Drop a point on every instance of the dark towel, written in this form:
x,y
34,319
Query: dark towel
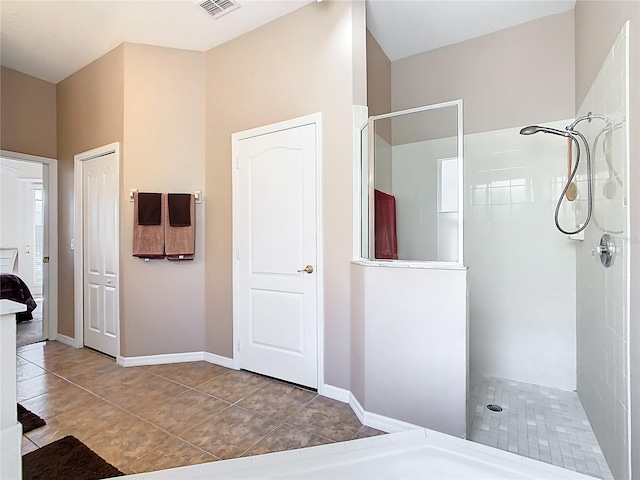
x,y
180,242
385,226
180,209
148,240
149,208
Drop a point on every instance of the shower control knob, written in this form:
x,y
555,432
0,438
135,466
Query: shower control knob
x,y
605,250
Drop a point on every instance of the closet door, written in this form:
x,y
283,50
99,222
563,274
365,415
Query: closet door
x,y
100,262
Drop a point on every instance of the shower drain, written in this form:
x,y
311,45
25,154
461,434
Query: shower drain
x,y
494,408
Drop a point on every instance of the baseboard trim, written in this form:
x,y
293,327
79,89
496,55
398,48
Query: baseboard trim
x,y
66,340
335,393
357,408
218,360
373,420
175,358
160,359
379,422
387,424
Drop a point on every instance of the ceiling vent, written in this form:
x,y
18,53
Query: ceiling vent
x,y
218,8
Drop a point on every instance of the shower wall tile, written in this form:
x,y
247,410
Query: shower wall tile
x,y
521,269
602,299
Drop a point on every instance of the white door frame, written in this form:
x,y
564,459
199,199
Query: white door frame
x,y
78,253
50,185
316,120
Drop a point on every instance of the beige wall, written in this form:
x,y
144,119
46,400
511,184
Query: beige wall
x,y
378,78
27,114
162,302
378,85
151,99
593,44
517,76
359,52
299,64
598,23
89,115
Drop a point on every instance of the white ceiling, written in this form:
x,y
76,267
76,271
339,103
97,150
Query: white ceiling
x,y
406,27
52,39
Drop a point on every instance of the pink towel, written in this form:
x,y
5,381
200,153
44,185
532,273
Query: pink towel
x,y
180,241
148,240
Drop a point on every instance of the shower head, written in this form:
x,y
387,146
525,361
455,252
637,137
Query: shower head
x,y
531,129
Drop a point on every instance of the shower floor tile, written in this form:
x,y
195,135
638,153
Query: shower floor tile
x,y
542,423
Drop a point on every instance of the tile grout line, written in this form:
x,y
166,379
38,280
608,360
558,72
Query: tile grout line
x,y
169,441
113,404
263,438
188,388
174,436
544,429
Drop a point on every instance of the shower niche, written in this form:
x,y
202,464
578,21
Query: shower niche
x,y
409,282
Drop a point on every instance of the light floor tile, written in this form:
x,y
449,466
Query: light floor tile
x,y
231,432
28,446
149,418
287,438
126,442
194,408
277,400
174,453
192,374
233,386
327,418
542,423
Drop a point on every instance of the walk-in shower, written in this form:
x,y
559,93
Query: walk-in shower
x,y
549,331
459,265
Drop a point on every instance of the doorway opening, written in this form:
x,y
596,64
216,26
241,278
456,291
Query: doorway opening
x,y
28,242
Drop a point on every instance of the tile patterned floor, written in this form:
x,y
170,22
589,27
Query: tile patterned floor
x,y
537,422
149,418
31,330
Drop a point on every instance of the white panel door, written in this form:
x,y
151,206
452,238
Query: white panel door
x,y
276,226
100,221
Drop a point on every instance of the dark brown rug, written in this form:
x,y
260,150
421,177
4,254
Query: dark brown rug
x,y
66,459
29,420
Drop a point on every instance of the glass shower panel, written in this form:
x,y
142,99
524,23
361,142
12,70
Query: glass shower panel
x,y
416,182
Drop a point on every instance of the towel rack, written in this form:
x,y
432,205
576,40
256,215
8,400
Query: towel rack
x,y
197,195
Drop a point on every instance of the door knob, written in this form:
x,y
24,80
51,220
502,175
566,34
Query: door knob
x,y
308,269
